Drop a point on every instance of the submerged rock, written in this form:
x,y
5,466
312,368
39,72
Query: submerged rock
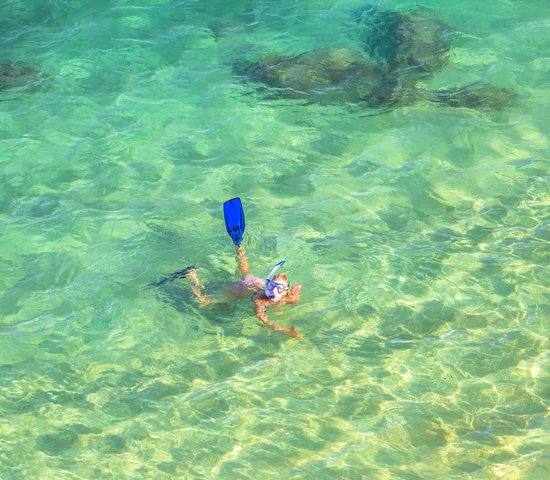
x,y
341,75
399,51
17,75
324,76
408,41
475,95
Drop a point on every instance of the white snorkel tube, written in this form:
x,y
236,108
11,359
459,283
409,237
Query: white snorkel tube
x,y
270,285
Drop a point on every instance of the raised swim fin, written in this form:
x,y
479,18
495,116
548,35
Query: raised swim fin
x,y
234,219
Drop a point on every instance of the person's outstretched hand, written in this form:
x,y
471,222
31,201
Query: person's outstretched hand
x,y
292,332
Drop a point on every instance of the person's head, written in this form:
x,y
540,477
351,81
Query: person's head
x,y
276,286
279,287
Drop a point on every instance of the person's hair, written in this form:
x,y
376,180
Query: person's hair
x,y
281,276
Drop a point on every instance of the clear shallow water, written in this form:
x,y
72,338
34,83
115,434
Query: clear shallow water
x,y
420,234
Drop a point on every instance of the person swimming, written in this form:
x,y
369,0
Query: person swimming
x,y
274,290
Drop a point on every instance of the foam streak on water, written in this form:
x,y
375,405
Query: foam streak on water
x,y
421,235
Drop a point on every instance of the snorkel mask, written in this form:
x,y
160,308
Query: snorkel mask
x,y
271,285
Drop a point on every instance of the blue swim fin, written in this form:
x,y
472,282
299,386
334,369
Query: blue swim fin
x,y
234,219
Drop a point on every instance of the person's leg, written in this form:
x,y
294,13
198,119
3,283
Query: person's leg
x,y
242,262
227,294
198,287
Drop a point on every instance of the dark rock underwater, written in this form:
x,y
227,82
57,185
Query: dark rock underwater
x,y
397,51
18,74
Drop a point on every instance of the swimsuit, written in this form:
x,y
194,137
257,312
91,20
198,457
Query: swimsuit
x,y
249,285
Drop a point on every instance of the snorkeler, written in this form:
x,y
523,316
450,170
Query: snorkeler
x,y
273,291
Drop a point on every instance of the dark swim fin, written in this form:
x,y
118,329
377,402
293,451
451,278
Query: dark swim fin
x,y
183,273
234,219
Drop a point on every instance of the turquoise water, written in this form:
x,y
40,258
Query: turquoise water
x,y
421,235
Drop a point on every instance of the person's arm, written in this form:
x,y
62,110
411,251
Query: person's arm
x,y
260,313
242,261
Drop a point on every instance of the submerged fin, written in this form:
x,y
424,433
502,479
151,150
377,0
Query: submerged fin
x,y
183,273
234,219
